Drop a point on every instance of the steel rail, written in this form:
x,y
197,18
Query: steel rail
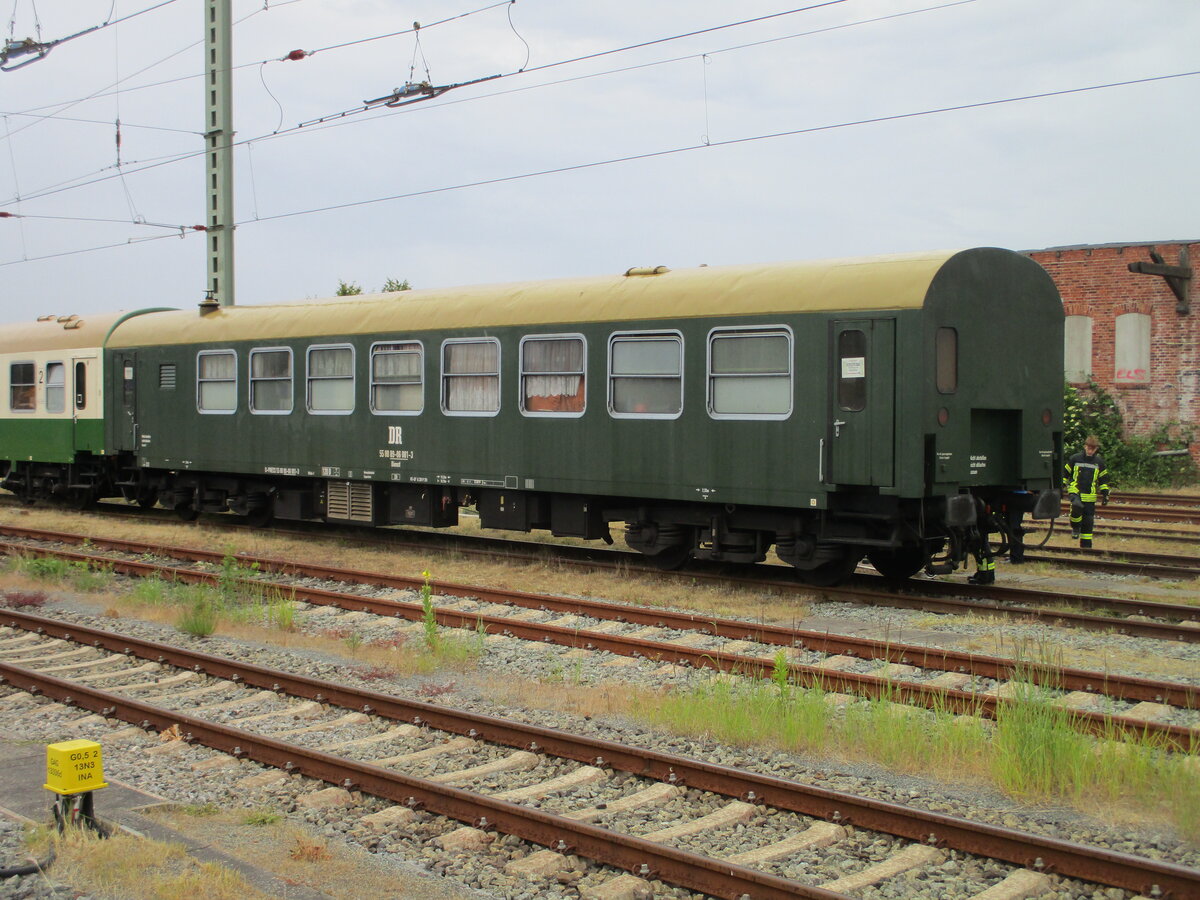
x,y
1166,560
1073,860
870,686
939,603
1121,497
634,854
1115,686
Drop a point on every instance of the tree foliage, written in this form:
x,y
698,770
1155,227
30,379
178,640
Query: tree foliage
x,y
1131,460
353,288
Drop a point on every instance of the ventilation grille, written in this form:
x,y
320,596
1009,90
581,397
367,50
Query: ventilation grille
x,y
350,501
166,377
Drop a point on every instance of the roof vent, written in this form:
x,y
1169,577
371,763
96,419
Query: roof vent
x,y
647,270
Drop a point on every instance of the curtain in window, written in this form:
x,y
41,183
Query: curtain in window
x,y
331,380
553,375
270,381
22,394
396,379
472,379
217,374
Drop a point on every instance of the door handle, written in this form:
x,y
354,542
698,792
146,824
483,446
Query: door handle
x,y
837,427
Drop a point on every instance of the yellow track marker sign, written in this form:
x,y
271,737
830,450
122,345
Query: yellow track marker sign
x,y
74,767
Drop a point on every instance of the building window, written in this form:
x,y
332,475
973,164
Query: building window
x,y
852,370
645,375
946,358
750,374
552,376
1133,349
56,387
271,381
1077,349
397,382
471,377
331,380
216,381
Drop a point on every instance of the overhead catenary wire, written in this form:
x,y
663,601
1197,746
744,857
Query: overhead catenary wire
x,y
658,154
14,48
62,186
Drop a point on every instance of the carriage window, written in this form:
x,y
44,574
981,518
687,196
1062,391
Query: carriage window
x,y
947,360
271,381
331,380
22,393
852,370
56,387
552,375
81,385
471,377
750,374
396,379
216,381
645,375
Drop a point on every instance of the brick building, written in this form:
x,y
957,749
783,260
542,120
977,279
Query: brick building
x,y
1136,334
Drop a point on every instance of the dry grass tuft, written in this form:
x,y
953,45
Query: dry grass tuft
x,y
123,867
306,848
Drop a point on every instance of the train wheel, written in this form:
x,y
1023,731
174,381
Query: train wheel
x,y
830,573
260,517
147,499
81,498
671,558
186,511
898,565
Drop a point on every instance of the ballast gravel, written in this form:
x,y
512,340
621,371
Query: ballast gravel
x,y
956,876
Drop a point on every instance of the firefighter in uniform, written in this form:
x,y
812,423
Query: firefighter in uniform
x,y
1085,476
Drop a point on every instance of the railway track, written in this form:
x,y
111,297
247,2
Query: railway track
x,y
835,663
1168,621
1173,567
187,692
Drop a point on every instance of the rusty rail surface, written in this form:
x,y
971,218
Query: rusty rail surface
x,y
1073,860
870,686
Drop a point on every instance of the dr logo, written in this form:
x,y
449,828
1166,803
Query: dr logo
x,y
395,434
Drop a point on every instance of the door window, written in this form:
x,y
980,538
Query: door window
x,y
56,387
852,370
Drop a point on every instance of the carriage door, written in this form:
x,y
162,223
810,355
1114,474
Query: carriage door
x,y
862,402
127,424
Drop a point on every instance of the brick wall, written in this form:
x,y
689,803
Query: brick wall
x,y
1095,281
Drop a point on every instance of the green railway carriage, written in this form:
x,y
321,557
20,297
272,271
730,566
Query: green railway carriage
x,y
830,409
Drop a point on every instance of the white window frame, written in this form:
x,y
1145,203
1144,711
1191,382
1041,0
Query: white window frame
x,y
443,393
1133,341
1077,348
613,339
291,379
582,373
371,383
750,331
309,378
62,386
199,381
32,410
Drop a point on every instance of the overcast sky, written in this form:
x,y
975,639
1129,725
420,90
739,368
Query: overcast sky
x,y
1112,165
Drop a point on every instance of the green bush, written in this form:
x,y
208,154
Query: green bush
x,y
1131,461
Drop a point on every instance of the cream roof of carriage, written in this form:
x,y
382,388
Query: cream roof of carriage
x,y
68,332
891,282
